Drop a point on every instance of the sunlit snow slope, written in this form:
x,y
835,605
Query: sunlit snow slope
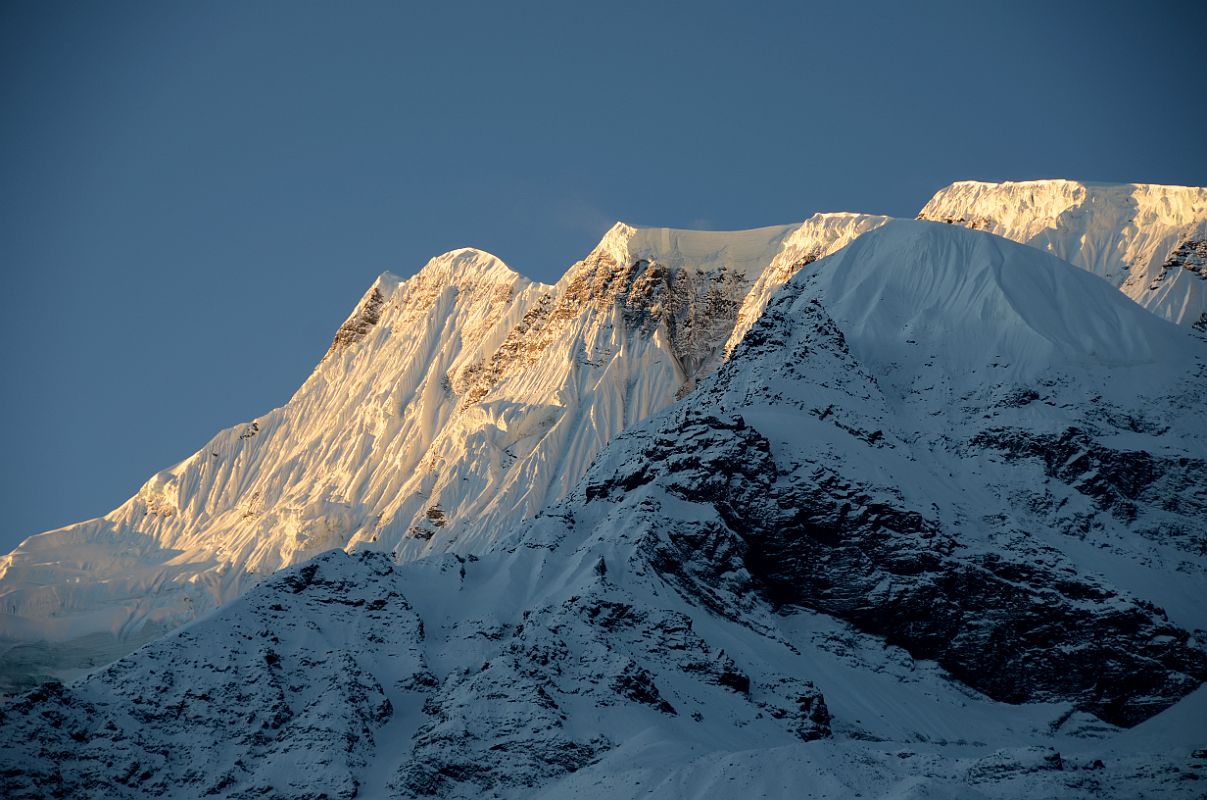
x,y
1149,240
450,406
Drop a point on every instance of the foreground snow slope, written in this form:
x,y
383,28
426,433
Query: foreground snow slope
x,y
911,540
1149,240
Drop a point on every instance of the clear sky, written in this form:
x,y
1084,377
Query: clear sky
x,y
193,195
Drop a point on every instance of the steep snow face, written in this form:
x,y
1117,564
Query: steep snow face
x,y
819,236
1148,240
981,300
621,335
449,406
924,560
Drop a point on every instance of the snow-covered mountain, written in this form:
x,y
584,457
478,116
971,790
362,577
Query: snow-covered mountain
x,y
464,399
1148,240
449,407
933,530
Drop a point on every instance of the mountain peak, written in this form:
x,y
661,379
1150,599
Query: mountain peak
x,y
1041,203
468,265
1072,183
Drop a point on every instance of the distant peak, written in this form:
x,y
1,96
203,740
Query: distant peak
x,y
463,268
469,262
1025,210
1037,182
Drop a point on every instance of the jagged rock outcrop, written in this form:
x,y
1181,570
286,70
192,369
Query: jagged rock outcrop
x,y
357,326
1190,254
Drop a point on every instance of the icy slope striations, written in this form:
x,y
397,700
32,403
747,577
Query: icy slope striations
x,y
1149,240
449,406
853,561
296,481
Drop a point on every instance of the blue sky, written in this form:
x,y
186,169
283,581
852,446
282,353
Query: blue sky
x,y
194,195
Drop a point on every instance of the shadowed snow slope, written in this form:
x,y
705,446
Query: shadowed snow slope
x,y
1149,240
933,530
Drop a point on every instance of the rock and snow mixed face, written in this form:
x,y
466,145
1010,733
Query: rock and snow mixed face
x,y
1148,240
848,562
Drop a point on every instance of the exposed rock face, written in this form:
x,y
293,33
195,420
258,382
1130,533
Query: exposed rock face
x,y
807,535
357,326
1189,255
694,307
1125,483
